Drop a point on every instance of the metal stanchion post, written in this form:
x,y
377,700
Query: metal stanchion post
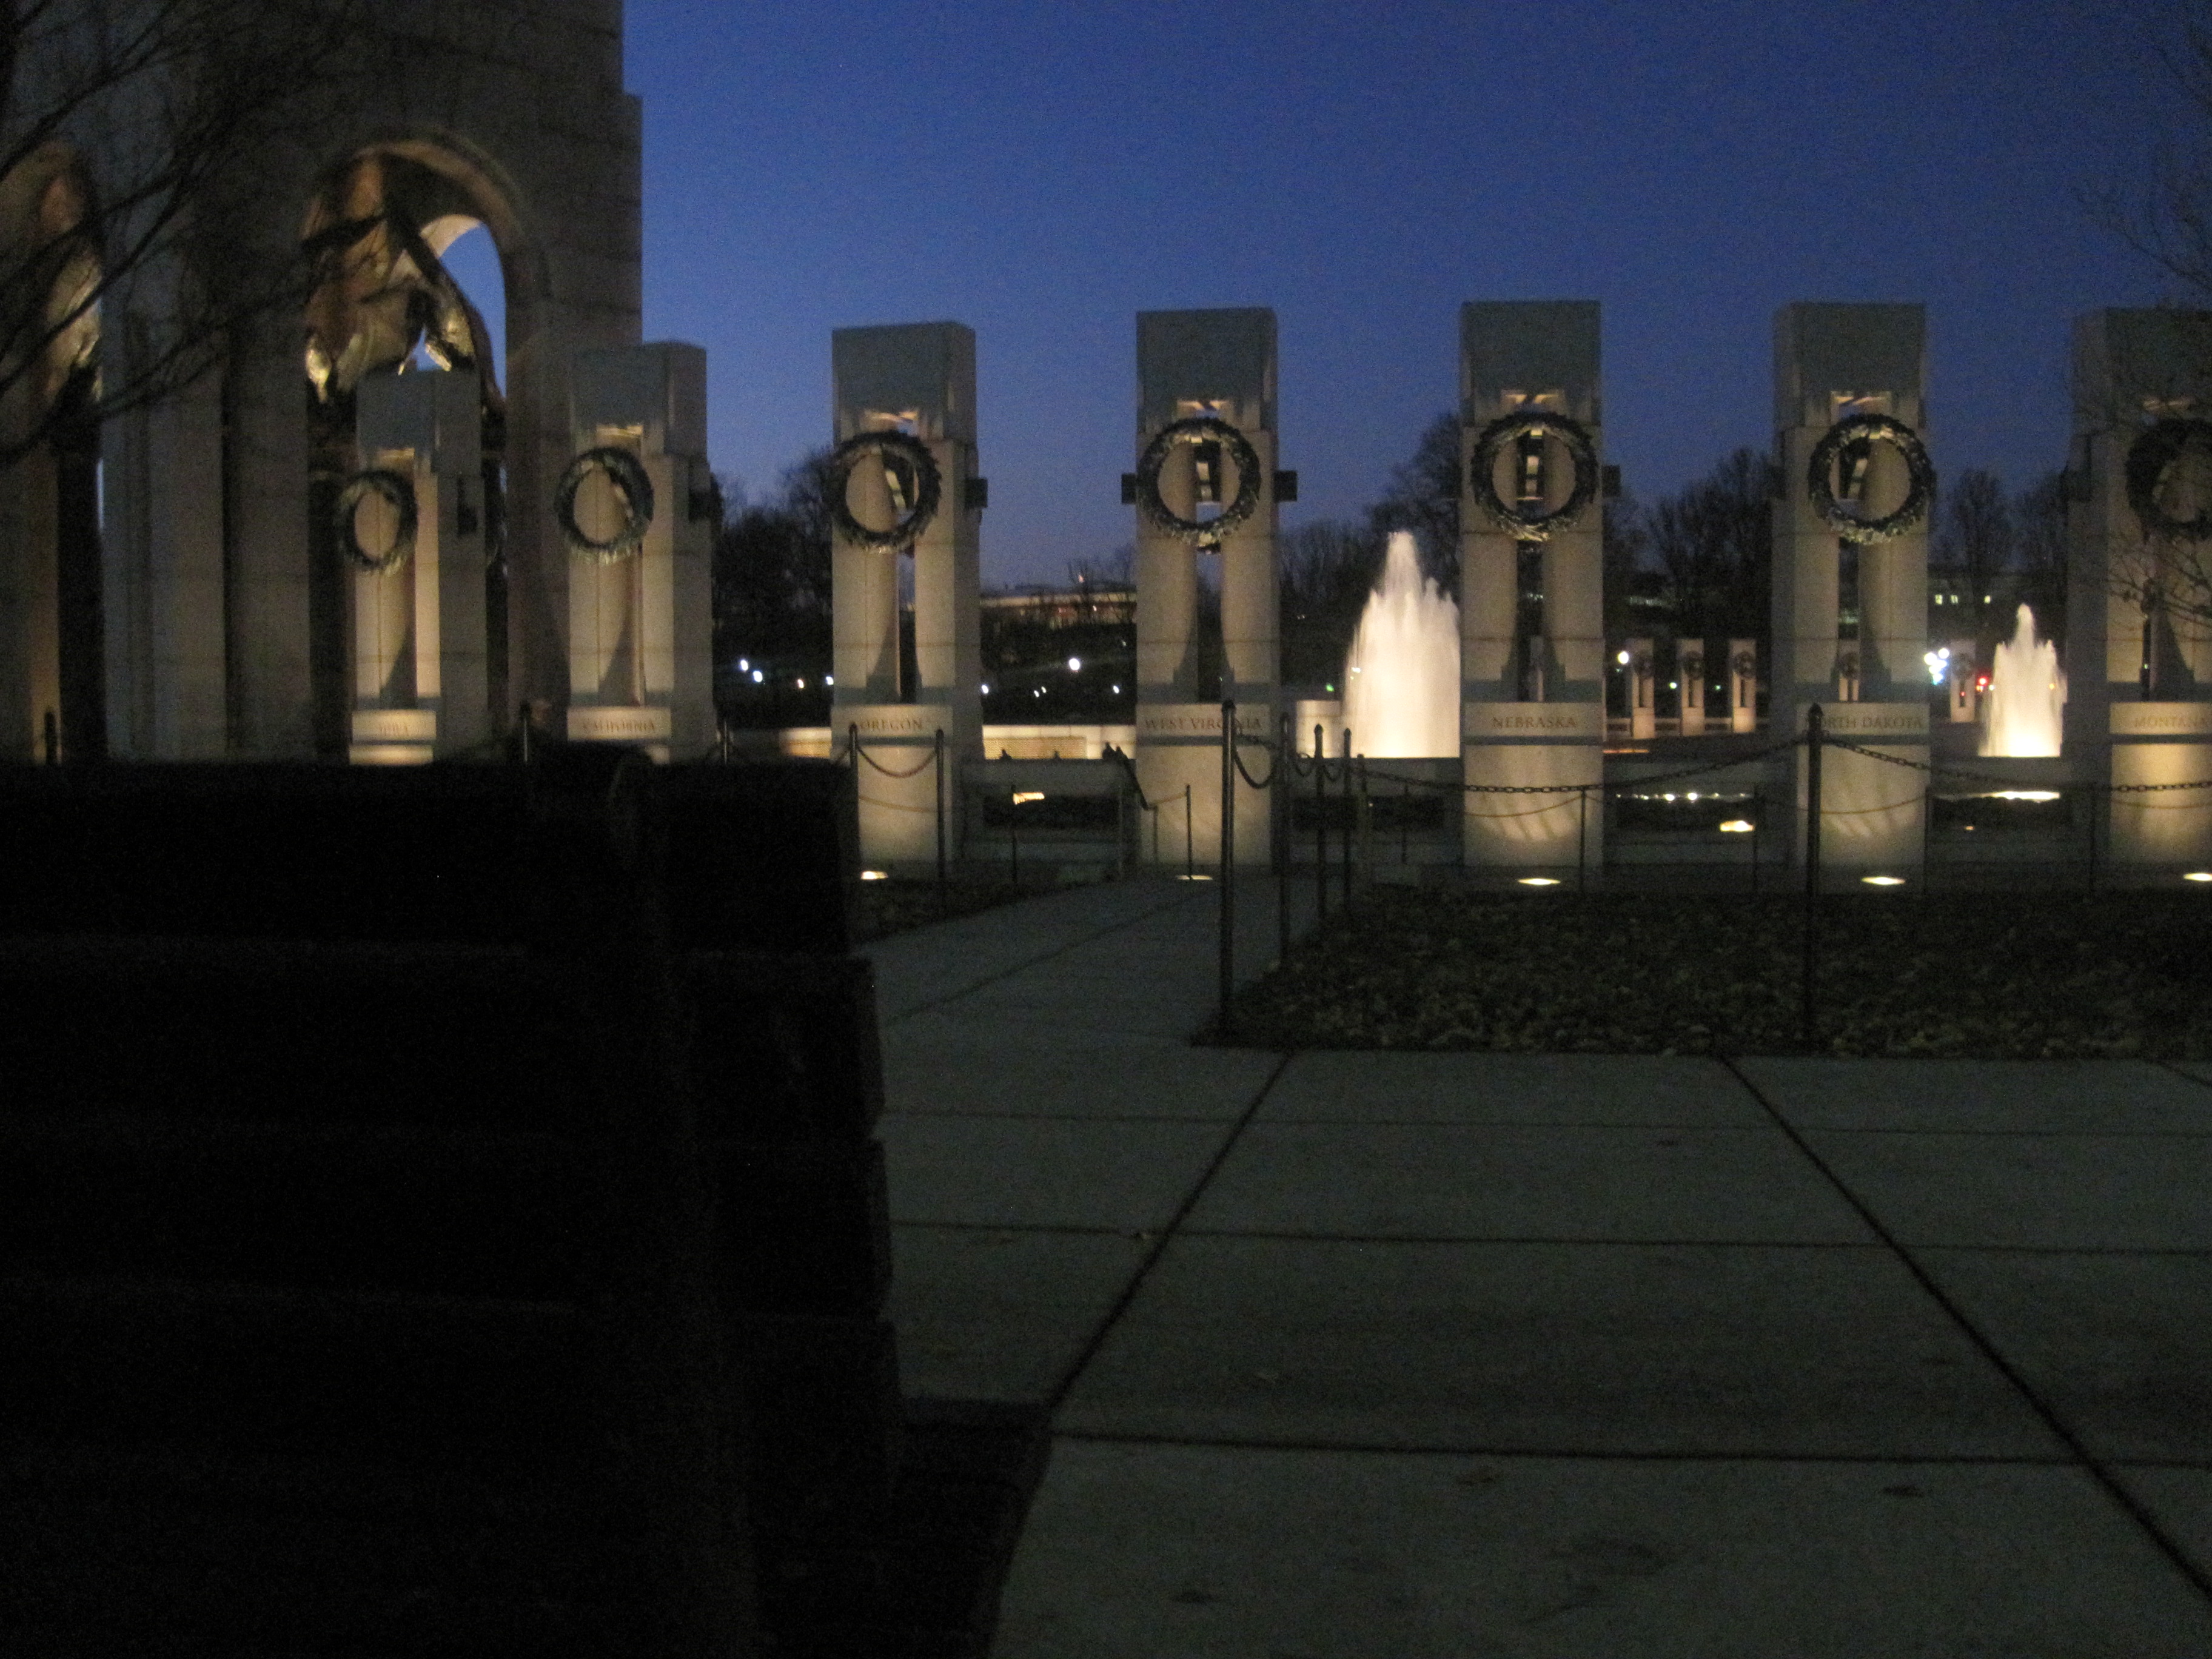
x,y
1582,840
938,758
1279,809
1321,826
1189,840
2093,793
1226,880
522,716
1368,828
1809,1026
1347,836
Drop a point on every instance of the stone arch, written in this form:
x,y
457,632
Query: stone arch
x,y
224,609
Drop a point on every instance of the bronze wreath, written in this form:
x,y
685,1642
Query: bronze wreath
x,y
1482,473
929,488
392,487
2162,444
1199,429
628,475
1920,489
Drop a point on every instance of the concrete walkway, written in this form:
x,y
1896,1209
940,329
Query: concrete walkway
x,y
1360,1356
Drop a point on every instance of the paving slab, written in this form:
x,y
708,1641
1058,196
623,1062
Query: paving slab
x,y
1113,1174
1205,1553
1000,1314
1731,1350
1517,1180
937,1064
2118,1345
2181,1501
1655,1089
2061,1097
2034,1191
927,965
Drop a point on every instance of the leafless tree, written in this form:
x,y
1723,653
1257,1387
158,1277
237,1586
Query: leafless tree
x,y
1974,542
127,135
1713,545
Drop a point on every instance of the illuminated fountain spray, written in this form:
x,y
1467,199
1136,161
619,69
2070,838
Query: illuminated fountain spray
x,y
2022,709
1401,682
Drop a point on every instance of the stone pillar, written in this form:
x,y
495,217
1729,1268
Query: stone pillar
x,y
1690,680
640,618
2139,692
1743,685
1531,487
905,404
1850,420
1642,688
416,631
1217,367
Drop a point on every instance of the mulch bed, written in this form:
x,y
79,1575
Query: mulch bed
x,y
2034,976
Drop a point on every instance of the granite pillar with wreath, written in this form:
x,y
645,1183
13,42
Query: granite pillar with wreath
x,y
636,507
1206,490
2139,521
1532,614
903,486
1851,574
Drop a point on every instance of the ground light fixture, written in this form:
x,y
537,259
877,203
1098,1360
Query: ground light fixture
x,y
2198,875
1539,881
1738,827
1883,881
875,875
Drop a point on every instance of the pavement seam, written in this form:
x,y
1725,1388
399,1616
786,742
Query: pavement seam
x,y
2170,1066
1369,1448
1068,1378
2114,1486
1030,962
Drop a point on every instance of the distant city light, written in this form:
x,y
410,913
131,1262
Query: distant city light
x,y
1622,660
1883,881
758,676
1738,827
742,664
802,682
1075,665
1117,690
1538,881
875,875
986,690
2198,875
829,679
1023,797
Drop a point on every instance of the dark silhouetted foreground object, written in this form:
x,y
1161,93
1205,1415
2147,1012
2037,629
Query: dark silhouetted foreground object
x,y
442,1214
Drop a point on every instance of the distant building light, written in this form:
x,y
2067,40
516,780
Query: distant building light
x,y
829,679
1738,827
1883,881
742,664
1023,797
758,676
1538,881
1622,660
875,875
2198,875
802,682
1075,665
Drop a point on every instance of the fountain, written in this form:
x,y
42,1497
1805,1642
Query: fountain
x,y
2022,709
1401,678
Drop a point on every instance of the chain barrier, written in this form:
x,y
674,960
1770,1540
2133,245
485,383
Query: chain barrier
x,y
1936,770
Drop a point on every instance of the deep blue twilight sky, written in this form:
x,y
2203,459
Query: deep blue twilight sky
x,y
1040,172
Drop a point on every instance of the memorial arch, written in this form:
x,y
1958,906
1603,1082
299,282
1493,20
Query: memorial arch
x,y
228,594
